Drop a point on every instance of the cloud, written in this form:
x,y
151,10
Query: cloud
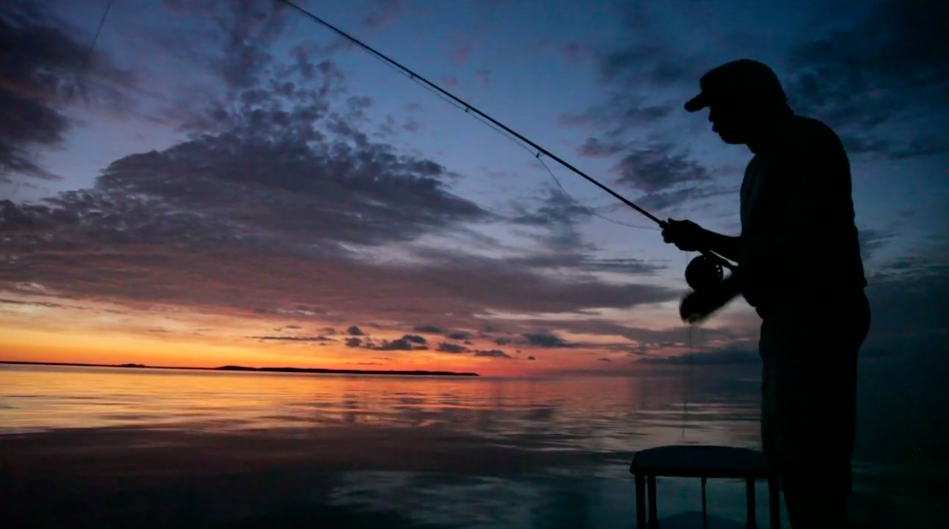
x,y
41,71
458,335
233,36
450,348
355,331
353,342
383,13
714,358
878,149
278,157
909,305
655,169
559,214
555,208
531,358
277,195
546,340
132,248
286,155
586,263
645,338
415,338
648,57
395,345
644,77
427,328
446,347
412,125
45,304
320,338
887,67
872,240
604,359
667,199
659,167
493,353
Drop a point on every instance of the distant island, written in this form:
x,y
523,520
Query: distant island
x,y
344,371
319,371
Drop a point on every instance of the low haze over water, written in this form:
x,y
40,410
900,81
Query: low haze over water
x,y
224,449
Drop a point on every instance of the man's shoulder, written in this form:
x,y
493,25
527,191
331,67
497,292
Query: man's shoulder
x,y
809,133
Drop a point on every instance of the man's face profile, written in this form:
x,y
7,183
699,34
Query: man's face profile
x,y
729,121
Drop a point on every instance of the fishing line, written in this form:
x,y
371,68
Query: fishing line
x,y
83,66
95,37
688,375
92,46
591,211
686,386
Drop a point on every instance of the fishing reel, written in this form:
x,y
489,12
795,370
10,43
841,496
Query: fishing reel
x,y
705,271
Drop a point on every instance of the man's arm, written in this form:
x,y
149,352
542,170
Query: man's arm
x,y
724,245
691,237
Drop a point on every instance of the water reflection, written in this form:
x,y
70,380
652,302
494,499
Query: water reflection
x,y
588,414
241,450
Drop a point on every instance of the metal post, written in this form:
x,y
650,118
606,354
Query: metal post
x,y
653,516
640,502
774,502
704,506
750,501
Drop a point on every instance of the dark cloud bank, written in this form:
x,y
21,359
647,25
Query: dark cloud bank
x,y
276,183
41,70
880,82
260,207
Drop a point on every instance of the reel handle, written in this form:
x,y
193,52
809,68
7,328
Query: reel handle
x,y
706,271
719,259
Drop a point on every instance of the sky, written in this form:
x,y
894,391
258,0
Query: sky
x,y
228,182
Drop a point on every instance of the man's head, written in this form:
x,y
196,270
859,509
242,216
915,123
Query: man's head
x,y
741,96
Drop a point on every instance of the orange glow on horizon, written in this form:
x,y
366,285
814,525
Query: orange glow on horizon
x,y
45,328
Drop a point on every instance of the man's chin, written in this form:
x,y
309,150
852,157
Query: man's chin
x,y
729,139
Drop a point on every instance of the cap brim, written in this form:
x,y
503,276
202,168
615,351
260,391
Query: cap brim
x,y
697,103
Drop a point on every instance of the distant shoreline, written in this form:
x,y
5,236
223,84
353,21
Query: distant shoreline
x,y
305,370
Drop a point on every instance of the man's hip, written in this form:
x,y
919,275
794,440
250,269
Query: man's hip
x,y
809,385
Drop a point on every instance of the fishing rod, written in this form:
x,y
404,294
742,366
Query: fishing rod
x,y
702,272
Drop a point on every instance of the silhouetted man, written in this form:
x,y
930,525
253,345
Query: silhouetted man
x,y
799,265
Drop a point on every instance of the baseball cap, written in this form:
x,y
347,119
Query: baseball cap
x,y
743,80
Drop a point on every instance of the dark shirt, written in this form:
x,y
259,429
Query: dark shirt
x,y
799,240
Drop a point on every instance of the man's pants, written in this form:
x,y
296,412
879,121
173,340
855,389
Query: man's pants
x,y
809,390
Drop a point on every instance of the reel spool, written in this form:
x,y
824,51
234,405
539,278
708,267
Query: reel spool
x,y
704,272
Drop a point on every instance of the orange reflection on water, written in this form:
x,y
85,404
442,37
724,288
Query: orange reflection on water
x,y
593,413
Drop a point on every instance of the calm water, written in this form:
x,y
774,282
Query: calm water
x,y
190,447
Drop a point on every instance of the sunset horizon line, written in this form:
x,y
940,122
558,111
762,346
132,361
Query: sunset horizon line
x,y
234,367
